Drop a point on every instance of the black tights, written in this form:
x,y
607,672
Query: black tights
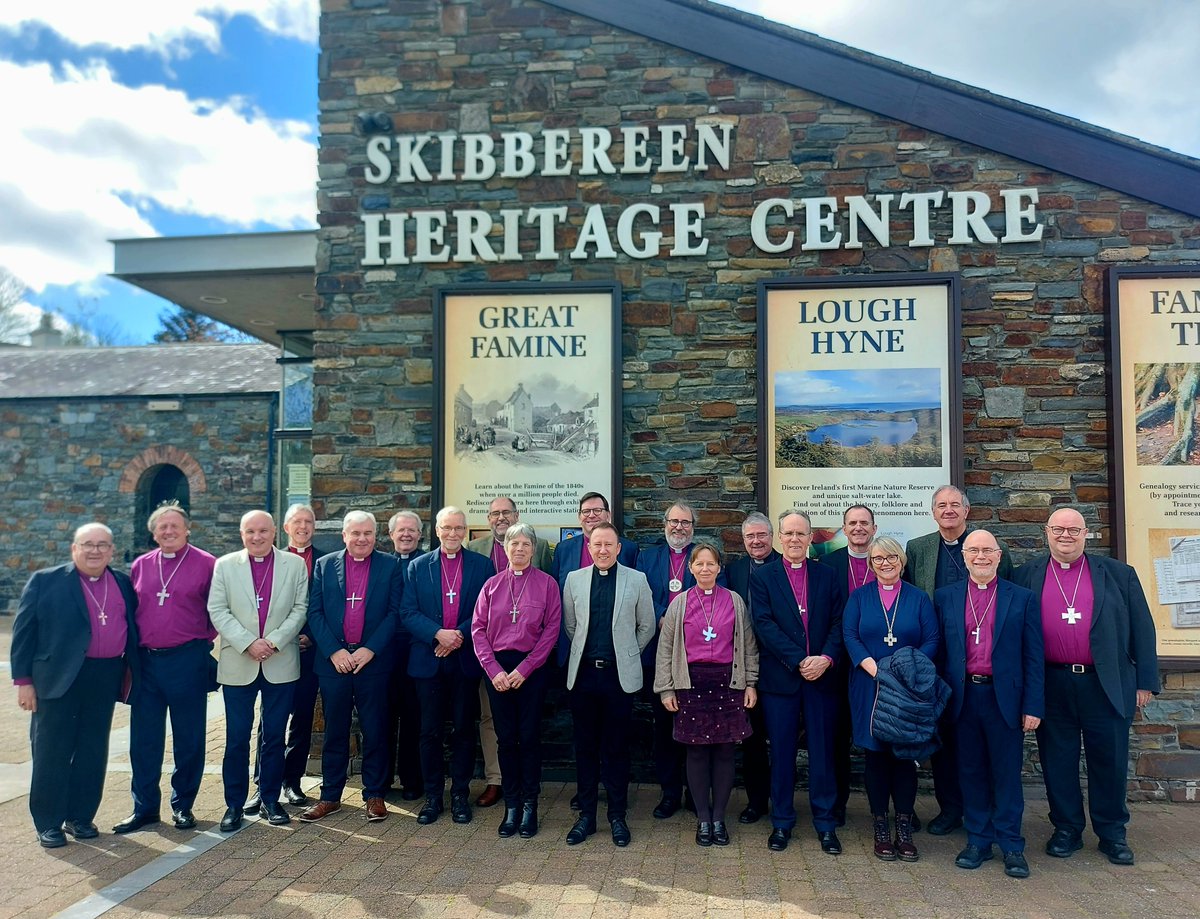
x,y
887,777
710,766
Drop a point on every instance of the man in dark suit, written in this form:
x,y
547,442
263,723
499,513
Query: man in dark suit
x,y
404,711
992,658
440,590
1101,667
352,613
935,561
72,640
757,537
797,611
571,554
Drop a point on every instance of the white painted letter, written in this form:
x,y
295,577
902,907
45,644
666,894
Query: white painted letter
x,y
969,220
472,230
1015,215
653,238
595,232
478,163
921,203
544,218
689,229
556,159
636,161
758,224
376,236
377,154
672,138
819,214
431,228
596,142
860,212
707,142
518,155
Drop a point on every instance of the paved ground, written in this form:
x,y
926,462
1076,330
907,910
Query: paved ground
x,y
346,868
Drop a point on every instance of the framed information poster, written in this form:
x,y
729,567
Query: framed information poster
x,y
1154,327
859,399
528,382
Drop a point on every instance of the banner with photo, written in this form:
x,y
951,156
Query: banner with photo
x,y
1155,341
859,399
528,399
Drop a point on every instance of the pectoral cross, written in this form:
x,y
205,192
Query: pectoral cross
x,y
708,633
890,639
1072,616
515,613
450,593
353,599
976,634
257,601
162,596
803,611
102,617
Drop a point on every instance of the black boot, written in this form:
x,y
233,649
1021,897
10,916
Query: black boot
x,y
508,826
905,849
529,821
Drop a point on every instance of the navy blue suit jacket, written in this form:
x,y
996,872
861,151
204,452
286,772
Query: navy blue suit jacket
x,y
737,574
52,630
568,553
1018,661
421,609
327,609
780,630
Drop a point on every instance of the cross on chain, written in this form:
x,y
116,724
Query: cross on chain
x,y
1072,615
102,617
352,599
258,601
708,633
515,613
976,634
890,639
450,593
162,595
803,611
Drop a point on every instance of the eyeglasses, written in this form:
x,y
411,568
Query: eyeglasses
x,y
679,524
95,546
984,550
794,534
1065,531
448,529
592,512
496,515
885,559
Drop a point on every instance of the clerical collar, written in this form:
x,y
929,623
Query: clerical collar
x,y
300,548
1067,566
796,565
259,559
359,560
405,554
707,593
678,551
169,554
603,572
450,554
887,586
758,561
950,542
983,586
854,554
517,572
96,578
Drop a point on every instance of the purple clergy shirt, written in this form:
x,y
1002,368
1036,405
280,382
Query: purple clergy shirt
x,y
106,613
888,595
172,593
859,572
797,576
307,554
499,556
534,629
699,606
676,566
1066,589
262,576
585,554
354,615
452,569
979,610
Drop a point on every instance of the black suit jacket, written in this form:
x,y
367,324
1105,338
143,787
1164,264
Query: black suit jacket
x,y
737,574
1122,637
327,609
52,630
421,609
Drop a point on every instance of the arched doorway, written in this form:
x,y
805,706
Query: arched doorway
x,y
163,482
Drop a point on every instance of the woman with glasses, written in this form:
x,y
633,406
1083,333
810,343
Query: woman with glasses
x,y
881,618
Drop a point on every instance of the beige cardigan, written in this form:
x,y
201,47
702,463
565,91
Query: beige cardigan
x,y
671,665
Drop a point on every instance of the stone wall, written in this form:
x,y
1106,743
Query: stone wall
x,y
65,462
1035,417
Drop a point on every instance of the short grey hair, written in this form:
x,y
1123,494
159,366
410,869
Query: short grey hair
x,y
755,517
416,518
799,513
449,511
167,507
888,546
295,509
94,525
966,502
518,530
683,505
353,517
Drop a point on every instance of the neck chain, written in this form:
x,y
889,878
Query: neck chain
x,y
162,595
100,604
258,588
447,583
709,633
959,567
979,620
516,597
890,639
1072,615
676,583
855,584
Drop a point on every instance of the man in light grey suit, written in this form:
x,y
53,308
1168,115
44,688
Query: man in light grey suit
x,y
258,603
608,615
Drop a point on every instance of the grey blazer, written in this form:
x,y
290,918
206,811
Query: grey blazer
x,y
633,621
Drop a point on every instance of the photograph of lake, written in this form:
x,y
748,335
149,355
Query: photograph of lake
x,y
839,419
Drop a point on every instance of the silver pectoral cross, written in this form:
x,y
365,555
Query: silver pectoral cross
x,y
1072,615
162,596
708,633
450,593
352,599
890,639
515,613
976,634
102,617
258,601
803,611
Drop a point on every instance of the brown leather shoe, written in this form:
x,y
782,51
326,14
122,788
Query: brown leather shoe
x,y
376,809
322,809
488,796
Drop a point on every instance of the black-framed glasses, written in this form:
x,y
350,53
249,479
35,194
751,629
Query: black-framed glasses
x,y
1065,531
882,559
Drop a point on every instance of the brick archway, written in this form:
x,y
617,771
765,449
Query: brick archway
x,y
158,456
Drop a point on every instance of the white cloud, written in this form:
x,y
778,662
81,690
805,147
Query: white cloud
x,y
84,156
167,27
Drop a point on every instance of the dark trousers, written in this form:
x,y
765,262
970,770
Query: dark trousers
x,y
404,725
756,762
989,757
341,693
449,692
298,739
782,714
889,780
172,682
69,740
1076,706
944,765
602,713
239,722
843,737
517,714
669,753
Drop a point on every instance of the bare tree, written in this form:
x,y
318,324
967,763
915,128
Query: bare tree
x,y
1167,392
13,325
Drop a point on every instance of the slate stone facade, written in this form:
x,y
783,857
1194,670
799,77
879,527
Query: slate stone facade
x,y
1035,412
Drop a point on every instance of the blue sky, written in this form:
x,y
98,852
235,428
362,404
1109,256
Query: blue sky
x,y
921,386
179,117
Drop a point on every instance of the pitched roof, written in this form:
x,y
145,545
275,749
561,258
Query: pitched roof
x,y
909,95
151,370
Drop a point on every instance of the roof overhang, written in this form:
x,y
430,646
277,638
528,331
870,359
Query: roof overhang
x,y
258,283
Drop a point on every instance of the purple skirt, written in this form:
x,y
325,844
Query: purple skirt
x,y
711,712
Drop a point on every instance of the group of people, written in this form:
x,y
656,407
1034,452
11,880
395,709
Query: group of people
x,y
935,649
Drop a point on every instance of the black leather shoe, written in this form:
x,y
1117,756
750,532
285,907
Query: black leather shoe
x,y
232,820
943,824
430,811
460,809
1015,865
830,844
750,814
972,856
135,822
253,804
778,839
720,833
1063,843
508,826
81,829
275,814
183,819
1118,852
667,807
704,834
52,838
529,820
583,828
295,797
620,832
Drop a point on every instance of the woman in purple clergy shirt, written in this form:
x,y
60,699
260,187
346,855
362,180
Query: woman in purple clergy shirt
x,y
881,618
706,673
514,629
